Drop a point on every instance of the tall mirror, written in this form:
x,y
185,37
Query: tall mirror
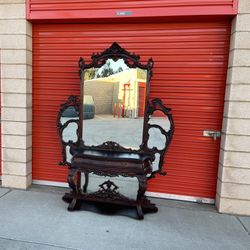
x,y
113,111
114,133
114,98
114,89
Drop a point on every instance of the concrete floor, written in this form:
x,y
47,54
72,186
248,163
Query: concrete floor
x,y
38,219
125,131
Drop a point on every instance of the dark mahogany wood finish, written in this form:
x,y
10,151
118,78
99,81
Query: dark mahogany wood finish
x,y
111,159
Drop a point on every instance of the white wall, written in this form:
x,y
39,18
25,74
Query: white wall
x,y
16,94
233,185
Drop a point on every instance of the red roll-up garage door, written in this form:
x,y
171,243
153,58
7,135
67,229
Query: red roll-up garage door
x,y
189,75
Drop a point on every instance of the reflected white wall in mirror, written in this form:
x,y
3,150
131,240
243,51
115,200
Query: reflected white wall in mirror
x,y
68,154
156,138
70,133
127,186
114,103
155,163
159,118
69,113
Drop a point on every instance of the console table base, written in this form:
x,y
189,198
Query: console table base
x,y
107,207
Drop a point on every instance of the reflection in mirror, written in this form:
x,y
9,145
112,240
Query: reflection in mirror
x,y
159,118
156,139
69,113
159,127
70,132
114,103
155,163
127,186
68,154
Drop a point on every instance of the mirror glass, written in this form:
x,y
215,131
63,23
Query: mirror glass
x,y
70,132
156,138
155,163
69,113
160,119
68,154
114,103
127,186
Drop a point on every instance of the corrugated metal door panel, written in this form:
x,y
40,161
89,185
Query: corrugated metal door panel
x,y
189,75
107,4
115,9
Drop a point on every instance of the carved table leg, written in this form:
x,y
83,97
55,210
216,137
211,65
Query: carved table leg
x,y
74,182
86,175
148,207
142,181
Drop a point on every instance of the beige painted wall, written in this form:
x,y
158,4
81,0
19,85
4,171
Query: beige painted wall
x,y
109,91
16,90
102,93
233,185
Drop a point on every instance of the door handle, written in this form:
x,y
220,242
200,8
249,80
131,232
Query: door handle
x,y
212,133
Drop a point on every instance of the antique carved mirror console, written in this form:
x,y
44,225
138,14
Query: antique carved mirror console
x,y
114,131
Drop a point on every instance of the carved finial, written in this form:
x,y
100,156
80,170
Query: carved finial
x,y
150,63
81,64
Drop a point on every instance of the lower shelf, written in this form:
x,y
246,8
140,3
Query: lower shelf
x,y
125,207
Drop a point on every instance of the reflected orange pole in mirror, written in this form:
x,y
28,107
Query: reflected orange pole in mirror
x,y
114,110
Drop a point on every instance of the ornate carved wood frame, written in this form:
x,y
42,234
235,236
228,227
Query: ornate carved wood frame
x,y
115,52
157,105
73,101
132,60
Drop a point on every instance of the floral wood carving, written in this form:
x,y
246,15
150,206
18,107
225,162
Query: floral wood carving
x,y
115,52
157,104
73,101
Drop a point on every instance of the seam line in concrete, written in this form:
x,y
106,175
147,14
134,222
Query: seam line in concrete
x,y
234,183
236,101
13,3
25,175
236,49
239,66
38,243
239,31
29,162
25,93
15,108
12,19
17,161
238,135
237,84
5,193
242,224
230,118
13,49
19,64
232,199
17,134
234,167
18,149
233,151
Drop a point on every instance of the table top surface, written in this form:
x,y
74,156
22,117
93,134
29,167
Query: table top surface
x,y
113,155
